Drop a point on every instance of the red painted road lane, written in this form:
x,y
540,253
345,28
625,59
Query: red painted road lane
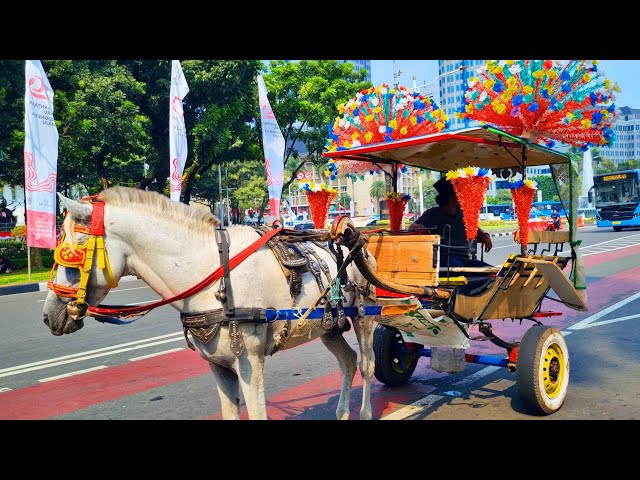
x,y
70,394
318,398
58,397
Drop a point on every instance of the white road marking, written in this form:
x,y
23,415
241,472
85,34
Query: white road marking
x,y
424,403
479,374
164,352
613,320
88,357
586,323
71,374
416,407
89,352
5,389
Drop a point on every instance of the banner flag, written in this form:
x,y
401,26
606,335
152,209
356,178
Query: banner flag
x,y
177,130
40,158
273,143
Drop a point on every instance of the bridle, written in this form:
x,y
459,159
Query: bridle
x,y
83,256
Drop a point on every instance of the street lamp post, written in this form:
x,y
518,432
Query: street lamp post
x,y
417,88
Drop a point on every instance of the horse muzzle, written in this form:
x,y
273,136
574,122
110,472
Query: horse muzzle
x,y
65,318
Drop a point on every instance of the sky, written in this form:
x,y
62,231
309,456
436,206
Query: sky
x,y
625,72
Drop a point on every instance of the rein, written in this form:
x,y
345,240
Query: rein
x,y
82,257
124,312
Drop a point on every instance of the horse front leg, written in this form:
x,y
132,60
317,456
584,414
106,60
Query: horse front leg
x,y
250,367
347,359
228,391
363,326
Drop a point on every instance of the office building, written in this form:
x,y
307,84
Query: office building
x,y
627,132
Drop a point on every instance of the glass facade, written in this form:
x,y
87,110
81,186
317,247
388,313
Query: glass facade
x,y
627,131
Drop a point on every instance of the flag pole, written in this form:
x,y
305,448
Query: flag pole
x,y
29,262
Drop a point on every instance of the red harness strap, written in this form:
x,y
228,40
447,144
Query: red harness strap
x,y
217,274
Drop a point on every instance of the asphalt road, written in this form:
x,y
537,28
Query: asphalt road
x,y
145,371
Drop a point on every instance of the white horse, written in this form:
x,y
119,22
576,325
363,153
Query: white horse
x,y
171,247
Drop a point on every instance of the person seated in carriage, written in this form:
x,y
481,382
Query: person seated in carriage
x,y
454,245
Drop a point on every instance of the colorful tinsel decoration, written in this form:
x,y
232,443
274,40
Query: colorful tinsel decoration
x,y
544,101
382,114
320,196
396,203
470,184
523,193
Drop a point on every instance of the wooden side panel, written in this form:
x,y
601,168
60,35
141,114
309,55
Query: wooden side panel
x,y
543,236
406,259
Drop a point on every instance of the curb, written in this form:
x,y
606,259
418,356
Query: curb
x,y
501,234
41,286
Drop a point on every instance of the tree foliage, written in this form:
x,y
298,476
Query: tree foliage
x,y
113,118
304,97
547,187
502,197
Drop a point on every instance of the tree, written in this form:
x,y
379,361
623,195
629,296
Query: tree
x,y
223,102
428,193
608,166
378,191
304,96
345,200
547,186
502,197
104,138
12,121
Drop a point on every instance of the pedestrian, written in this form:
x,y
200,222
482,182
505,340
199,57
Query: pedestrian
x,y
5,265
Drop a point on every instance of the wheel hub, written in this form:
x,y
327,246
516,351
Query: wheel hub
x,y
553,370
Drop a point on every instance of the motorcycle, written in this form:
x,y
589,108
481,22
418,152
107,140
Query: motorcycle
x,y
553,225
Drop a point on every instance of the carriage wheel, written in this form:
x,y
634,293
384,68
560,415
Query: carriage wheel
x,y
393,366
542,369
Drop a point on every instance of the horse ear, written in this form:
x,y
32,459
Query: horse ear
x,y
80,212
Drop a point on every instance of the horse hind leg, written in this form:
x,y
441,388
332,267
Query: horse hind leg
x,y
228,391
363,326
347,359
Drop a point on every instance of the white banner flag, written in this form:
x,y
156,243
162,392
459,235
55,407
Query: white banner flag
x,y
273,143
177,131
40,157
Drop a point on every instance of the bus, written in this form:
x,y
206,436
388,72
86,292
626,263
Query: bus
x,y
616,199
545,209
503,212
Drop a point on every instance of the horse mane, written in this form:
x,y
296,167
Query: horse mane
x,y
196,220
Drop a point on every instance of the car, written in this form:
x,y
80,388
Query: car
x,y
304,226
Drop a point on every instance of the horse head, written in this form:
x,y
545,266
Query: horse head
x,y
85,273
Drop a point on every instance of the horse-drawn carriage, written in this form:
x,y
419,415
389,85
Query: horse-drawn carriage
x,y
455,299
275,288
243,310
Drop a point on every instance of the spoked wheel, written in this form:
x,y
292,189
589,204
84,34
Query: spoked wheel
x,y
394,366
542,370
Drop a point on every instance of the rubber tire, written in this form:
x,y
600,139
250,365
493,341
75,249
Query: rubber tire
x,y
387,371
529,369
617,229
